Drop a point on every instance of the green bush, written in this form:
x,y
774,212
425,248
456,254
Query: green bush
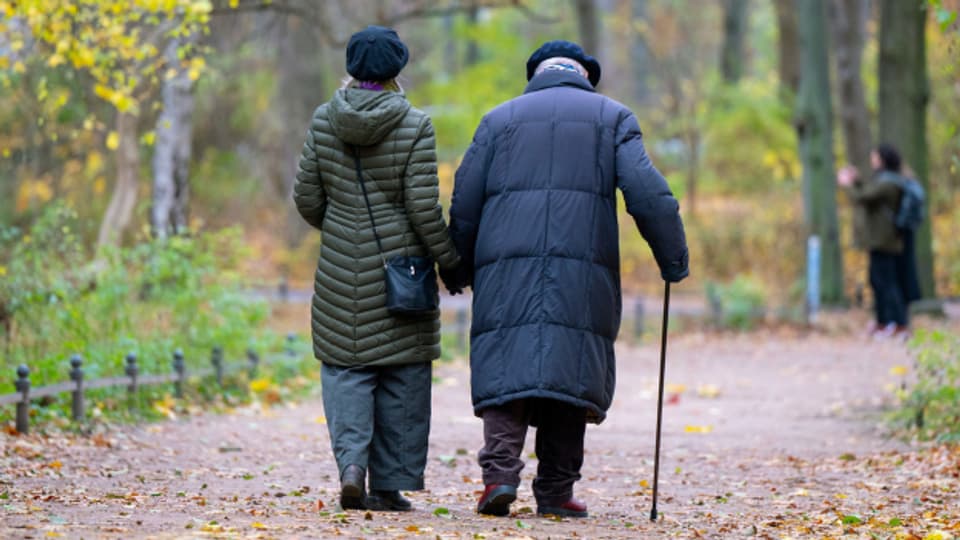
x,y
738,305
150,299
931,406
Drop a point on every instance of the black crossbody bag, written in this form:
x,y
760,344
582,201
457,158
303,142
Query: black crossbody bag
x,y
411,282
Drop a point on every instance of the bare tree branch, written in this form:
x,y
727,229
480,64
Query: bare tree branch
x,y
420,10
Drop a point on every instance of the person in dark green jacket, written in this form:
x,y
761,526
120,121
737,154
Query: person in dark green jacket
x,y
892,267
376,372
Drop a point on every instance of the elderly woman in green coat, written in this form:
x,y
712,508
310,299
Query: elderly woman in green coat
x,y
376,371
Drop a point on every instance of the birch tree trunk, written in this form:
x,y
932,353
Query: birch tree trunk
x,y
904,89
124,198
814,124
171,158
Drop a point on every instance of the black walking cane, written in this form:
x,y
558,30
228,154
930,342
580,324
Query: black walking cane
x,y
663,366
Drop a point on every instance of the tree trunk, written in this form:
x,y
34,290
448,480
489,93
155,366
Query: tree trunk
x,y
588,23
788,44
472,55
814,130
904,92
299,82
848,19
124,198
734,30
171,158
639,52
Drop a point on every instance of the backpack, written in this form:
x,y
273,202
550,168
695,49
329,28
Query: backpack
x,y
911,211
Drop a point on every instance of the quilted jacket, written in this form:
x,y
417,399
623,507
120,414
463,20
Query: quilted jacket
x,y
395,142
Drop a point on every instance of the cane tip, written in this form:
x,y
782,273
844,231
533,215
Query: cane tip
x,y
653,514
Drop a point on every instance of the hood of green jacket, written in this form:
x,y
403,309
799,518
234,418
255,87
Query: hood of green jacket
x,y
366,117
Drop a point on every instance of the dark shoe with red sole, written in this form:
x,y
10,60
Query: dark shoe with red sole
x,y
570,509
352,488
496,500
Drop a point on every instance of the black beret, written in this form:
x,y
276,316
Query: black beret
x,y
376,54
567,49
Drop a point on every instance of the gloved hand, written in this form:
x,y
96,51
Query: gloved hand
x,y
456,279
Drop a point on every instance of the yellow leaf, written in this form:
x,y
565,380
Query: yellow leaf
x,y
3,270
258,525
412,528
321,419
234,4
99,185
708,391
113,140
149,138
193,73
53,534
840,496
898,370
644,483
19,67
698,429
16,45
55,465
938,535
676,388
259,385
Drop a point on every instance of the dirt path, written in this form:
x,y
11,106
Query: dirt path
x,y
791,443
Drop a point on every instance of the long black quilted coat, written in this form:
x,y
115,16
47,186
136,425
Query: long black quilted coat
x,y
534,213
396,145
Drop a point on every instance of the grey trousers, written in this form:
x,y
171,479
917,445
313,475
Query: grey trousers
x,y
560,432
379,419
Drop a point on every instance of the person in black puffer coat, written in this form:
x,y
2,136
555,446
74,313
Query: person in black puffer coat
x,y
534,219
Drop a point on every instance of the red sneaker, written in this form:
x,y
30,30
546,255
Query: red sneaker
x,y
572,508
496,500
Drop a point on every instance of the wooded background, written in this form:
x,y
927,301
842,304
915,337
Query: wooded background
x,y
151,118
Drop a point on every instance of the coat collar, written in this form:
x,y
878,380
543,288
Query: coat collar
x,y
550,79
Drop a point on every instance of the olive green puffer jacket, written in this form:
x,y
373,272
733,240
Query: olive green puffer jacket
x,y
395,141
875,206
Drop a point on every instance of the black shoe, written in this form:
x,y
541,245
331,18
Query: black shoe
x,y
388,501
496,500
352,491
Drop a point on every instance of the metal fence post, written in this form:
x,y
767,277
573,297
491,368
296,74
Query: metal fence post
x,y
132,370
76,375
291,339
22,385
179,369
463,330
254,360
216,358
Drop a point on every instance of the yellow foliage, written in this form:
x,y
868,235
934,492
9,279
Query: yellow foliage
x,y
113,140
259,385
32,191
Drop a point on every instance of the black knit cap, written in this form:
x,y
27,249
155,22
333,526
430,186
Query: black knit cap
x,y
376,54
567,49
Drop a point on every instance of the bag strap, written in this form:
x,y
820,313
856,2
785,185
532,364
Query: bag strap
x,y
366,200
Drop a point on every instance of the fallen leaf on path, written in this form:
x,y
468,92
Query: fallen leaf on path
x,y
898,370
673,388
708,391
697,429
